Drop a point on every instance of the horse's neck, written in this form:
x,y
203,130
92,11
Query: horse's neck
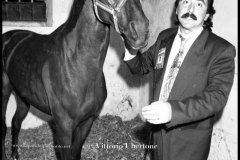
x,y
87,36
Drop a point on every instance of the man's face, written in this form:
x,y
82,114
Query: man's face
x,y
192,13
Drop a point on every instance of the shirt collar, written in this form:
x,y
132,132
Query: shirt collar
x,y
193,34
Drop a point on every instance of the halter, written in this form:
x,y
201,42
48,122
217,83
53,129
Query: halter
x,y
112,11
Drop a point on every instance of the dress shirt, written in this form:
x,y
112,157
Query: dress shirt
x,y
190,38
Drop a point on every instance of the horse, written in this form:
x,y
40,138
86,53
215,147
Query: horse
x,y
61,73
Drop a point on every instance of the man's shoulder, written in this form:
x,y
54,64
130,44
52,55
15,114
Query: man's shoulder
x,y
217,40
217,45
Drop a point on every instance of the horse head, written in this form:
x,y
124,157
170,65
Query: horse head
x,y
128,19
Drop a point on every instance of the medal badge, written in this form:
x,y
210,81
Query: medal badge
x,y
160,58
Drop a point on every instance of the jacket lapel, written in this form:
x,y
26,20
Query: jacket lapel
x,y
189,66
158,74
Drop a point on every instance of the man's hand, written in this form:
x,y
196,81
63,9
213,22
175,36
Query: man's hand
x,y
159,112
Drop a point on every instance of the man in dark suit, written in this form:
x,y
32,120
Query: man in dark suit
x,y
193,75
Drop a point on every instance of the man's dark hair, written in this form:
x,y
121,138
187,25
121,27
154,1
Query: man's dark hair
x,y
211,11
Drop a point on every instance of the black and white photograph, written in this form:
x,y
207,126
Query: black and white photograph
x,y
119,80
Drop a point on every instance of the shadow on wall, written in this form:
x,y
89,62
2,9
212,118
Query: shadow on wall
x,y
117,44
161,15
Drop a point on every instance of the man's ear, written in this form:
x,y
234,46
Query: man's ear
x,y
206,17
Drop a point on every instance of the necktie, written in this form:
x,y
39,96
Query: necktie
x,y
173,71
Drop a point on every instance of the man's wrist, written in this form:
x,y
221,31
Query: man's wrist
x,y
170,111
128,56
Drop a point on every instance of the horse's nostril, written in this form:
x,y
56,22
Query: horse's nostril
x,y
147,23
133,30
132,24
147,32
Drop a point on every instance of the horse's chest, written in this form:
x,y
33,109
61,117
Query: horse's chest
x,y
81,94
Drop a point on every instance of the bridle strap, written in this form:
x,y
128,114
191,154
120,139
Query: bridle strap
x,y
112,11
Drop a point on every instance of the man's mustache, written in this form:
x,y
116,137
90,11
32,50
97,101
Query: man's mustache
x,y
191,15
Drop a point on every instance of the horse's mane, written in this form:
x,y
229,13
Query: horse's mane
x,y
76,9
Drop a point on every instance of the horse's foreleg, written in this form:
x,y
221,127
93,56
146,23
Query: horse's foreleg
x,y
79,136
6,92
63,134
19,116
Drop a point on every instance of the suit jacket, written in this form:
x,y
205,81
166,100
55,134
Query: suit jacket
x,y
200,90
